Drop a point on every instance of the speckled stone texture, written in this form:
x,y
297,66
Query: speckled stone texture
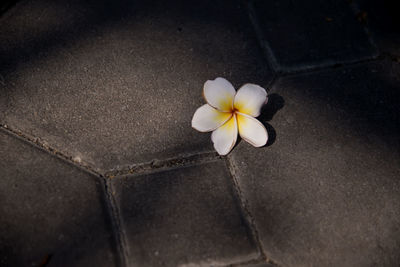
x,y
327,191
94,90
114,83
183,217
51,212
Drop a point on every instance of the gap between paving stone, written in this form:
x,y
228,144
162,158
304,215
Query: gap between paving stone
x,y
116,221
127,99
356,9
309,87
145,168
255,263
164,164
258,257
273,62
176,163
380,58
159,163
141,168
109,201
190,159
161,166
250,219
271,59
36,141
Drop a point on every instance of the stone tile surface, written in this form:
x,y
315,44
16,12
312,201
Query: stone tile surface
x,y
382,19
304,34
327,191
113,83
183,217
258,265
50,211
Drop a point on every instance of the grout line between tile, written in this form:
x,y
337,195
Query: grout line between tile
x,y
266,48
282,70
119,233
109,201
331,68
44,147
254,261
327,66
163,165
356,10
381,58
248,215
250,262
140,168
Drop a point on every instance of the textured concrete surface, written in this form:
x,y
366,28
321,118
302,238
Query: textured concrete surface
x,y
50,211
327,191
183,217
307,34
108,88
116,83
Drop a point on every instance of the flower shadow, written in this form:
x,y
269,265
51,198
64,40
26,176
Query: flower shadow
x,y
274,104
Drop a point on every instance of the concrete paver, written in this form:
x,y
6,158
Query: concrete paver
x,y
307,34
116,83
50,211
327,192
183,217
110,84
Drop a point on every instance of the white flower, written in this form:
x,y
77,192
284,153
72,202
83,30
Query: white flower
x,y
228,112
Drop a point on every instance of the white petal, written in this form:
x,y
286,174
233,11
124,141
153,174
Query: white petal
x,y
206,118
219,93
249,99
224,138
251,130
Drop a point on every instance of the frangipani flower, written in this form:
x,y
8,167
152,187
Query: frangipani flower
x,y
228,112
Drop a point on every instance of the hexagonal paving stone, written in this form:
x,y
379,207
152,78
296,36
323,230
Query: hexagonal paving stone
x,y
327,191
183,217
113,83
52,213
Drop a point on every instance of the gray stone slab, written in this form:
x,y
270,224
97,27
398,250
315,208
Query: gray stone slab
x,y
51,213
382,19
112,83
326,191
307,34
183,217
